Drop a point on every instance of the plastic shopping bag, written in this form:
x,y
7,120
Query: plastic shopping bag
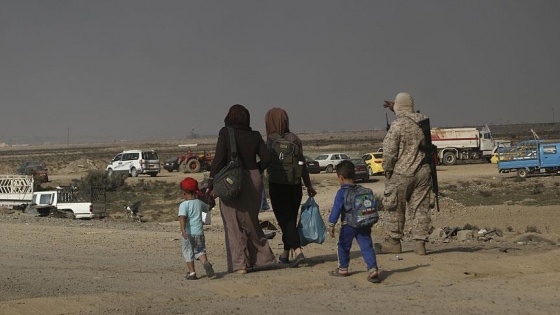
x,y
311,227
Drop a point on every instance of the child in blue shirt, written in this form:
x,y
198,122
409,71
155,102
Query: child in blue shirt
x,y
346,173
190,219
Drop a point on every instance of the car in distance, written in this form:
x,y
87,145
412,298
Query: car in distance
x,y
328,161
36,169
374,161
171,164
135,162
312,165
360,170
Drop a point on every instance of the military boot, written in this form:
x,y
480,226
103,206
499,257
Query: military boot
x,y
390,246
420,247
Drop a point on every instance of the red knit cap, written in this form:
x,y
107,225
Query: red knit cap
x,y
189,184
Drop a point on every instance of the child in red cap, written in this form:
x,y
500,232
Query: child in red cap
x,y
190,218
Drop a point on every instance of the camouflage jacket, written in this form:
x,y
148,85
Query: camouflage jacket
x,y
401,153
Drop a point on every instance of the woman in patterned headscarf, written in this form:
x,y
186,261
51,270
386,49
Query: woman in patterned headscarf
x,y
246,244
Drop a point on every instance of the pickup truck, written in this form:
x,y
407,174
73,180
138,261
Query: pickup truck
x,y
531,157
68,202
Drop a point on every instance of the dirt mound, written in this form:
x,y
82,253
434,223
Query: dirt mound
x,y
80,166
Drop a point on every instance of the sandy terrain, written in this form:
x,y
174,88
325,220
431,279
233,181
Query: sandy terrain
x,y
60,266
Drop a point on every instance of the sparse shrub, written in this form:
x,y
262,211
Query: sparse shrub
x,y
497,184
531,229
464,184
485,193
451,187
536,190
100,178
470,227
509,228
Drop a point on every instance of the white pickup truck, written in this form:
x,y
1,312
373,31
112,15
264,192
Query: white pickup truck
x,y
68,202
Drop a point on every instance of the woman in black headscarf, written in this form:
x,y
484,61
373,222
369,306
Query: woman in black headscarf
x,y
246,244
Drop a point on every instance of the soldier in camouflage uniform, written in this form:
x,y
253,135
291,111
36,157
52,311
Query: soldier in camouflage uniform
x,y
408,178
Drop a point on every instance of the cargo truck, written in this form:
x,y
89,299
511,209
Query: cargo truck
x,y
16,190
530,158
464,144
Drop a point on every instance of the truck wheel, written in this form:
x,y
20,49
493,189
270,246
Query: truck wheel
x,y
522,173
329,169
449,158
110,172
153,174
69,214
193,166
133,172
369,171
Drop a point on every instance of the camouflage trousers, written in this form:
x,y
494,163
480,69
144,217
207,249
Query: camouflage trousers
x,y
408,196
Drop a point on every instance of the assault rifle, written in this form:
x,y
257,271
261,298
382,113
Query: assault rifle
x,y
387,121
431,155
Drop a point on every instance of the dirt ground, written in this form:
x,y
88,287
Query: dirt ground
x,y
111,266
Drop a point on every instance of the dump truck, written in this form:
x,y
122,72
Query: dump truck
x,y
464,144
531,157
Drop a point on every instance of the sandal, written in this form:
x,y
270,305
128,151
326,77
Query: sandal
x,y
339,272
297,261
373,277
209,270
191,276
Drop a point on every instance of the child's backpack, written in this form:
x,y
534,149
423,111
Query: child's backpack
x,y
361,207
286,167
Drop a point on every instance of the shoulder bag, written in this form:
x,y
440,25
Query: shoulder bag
x,y
227,182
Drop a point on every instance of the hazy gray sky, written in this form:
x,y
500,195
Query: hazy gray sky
x,y
108,70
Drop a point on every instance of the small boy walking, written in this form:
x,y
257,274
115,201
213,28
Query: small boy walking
x,y
345,173
190,218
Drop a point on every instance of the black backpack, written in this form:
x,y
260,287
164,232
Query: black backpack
x,y
286,166
360,205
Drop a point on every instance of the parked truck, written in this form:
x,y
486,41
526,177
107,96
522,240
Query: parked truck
x,y
531,157
455,144
16,190
69,202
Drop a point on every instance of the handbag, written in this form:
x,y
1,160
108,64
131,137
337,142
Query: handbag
x,y
311,227
227,182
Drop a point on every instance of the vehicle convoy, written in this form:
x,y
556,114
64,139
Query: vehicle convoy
x,y
463,144
135,162
531,157
190,162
